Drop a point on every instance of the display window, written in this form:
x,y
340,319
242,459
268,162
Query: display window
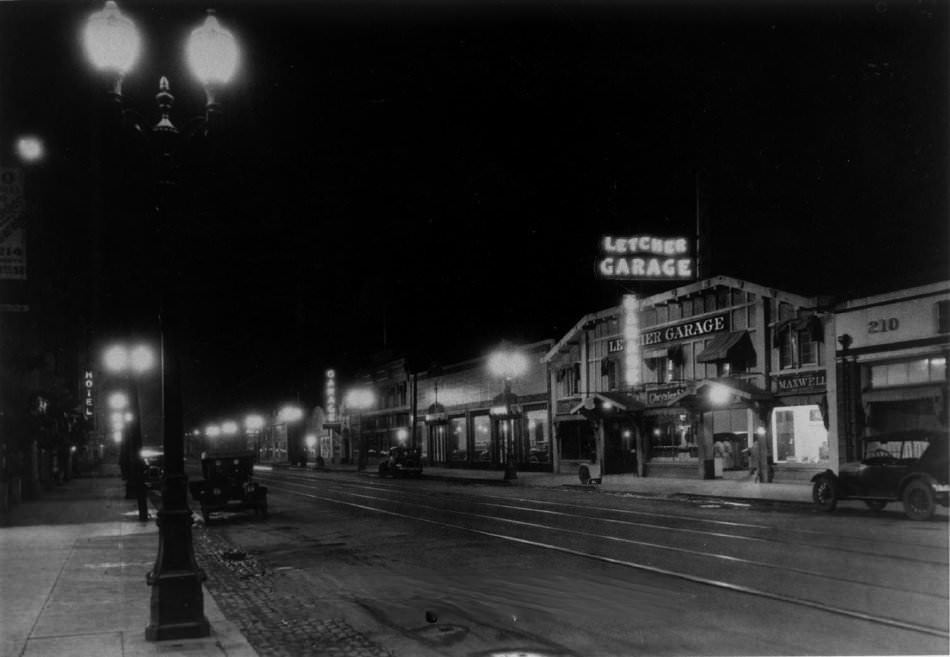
x,y
799,435
576,441
457,440
539,445
482,442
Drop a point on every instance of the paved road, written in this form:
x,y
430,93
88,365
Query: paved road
x,y
578,573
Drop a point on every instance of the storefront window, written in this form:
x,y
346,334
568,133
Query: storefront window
x,y
576,440
799,435
481,425
671,437
807,349
457,440
921,370
539,445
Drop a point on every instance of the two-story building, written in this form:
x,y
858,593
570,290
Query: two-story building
x,y
681,382
891,356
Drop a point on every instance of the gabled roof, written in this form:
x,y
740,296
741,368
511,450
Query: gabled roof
x,y
796,300
577,328
745,392
728,281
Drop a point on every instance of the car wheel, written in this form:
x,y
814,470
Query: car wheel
x,y
584,473
383,470
919,502
825,493
876,505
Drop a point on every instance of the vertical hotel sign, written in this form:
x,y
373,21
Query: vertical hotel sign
x,y
12,225
88,396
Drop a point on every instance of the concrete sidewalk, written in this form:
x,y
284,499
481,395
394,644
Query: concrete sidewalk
x,y
72,580
734,485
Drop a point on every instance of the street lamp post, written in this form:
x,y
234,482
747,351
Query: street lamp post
x,y
360,399
130,364
507,364
113,45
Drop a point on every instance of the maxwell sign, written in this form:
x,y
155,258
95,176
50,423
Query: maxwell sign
x,y
686,330
802,381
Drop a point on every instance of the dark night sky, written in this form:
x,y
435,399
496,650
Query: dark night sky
x,y
450,166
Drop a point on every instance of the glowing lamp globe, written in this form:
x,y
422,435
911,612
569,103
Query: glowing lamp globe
x,y
118,401
719,395
30,148
141,359
116,358
111,40
229,428
212,53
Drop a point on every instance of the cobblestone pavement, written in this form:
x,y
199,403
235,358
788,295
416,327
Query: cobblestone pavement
x,y
277,620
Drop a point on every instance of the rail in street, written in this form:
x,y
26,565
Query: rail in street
x,y
901,584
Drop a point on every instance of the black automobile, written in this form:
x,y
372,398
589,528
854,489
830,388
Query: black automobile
x,y
402,461
228,484
907,466
152,462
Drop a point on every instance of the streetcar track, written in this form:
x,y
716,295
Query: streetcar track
x,y
720,584
658,546
760,527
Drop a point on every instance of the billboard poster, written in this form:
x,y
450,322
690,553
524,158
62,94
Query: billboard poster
x,y
12,225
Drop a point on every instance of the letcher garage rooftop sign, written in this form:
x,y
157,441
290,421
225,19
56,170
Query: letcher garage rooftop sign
x,y
645,258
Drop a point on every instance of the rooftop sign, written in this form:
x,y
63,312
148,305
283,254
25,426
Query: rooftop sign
x,y
645,258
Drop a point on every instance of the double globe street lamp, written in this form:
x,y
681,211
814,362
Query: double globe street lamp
x,y
113,45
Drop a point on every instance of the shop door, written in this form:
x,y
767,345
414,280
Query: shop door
x,y
437,447
619,447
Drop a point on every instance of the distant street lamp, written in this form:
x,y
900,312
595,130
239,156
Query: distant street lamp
x,y
253,425
30,149
507,364
113,45
130,363
360,399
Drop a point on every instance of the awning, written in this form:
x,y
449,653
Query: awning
x,y
734,345
608,402
651,354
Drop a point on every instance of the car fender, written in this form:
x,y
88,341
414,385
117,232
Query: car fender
x,y
825,473
923,476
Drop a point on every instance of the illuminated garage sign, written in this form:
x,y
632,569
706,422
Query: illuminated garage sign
x,y
645,258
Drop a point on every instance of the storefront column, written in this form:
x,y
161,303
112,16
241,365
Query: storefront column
x,y
704,446
765,444
640,444
601,443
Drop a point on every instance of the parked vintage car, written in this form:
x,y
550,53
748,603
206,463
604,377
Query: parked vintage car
x,y
403,462
907,466
228,484
152,462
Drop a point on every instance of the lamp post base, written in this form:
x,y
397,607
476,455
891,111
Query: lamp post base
x,y
177,599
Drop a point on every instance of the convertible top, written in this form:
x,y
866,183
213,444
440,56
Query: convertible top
x,y
925,435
